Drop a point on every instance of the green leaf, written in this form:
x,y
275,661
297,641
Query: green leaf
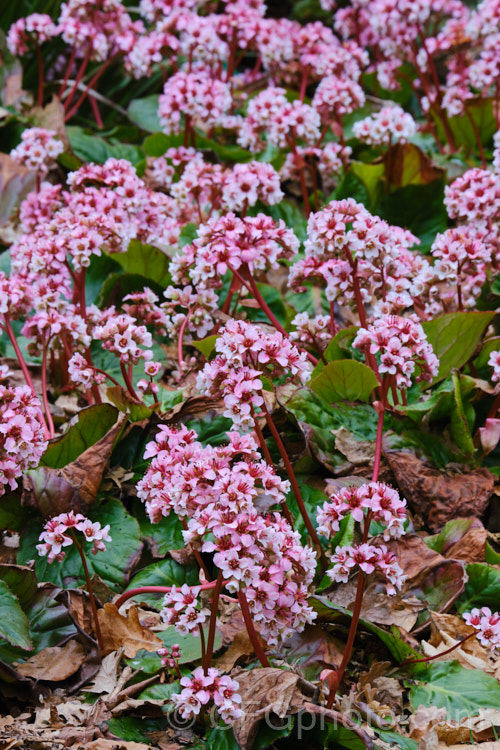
x,y
451,534
189,232
394,738
222,738
454,337
112,566
160,692
351,187
158,143
49,623
491,345
344,380
190,646
230,152
164,573
419,208
101,267
13,515
338,348
14,625
91,425
169,399
21,581
89,147
481,110
482,589
329,611
462,692
205,346
136,412
144,112
162,536
462,418
146,261
371,175
134,728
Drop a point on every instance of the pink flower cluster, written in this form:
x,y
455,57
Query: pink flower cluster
x,y
382,501
197,96
402,347
494,361
180,609
200,688
388,126
22,431
38,149
244,352
121,335
358,256
36,28
368,558
314,332
487,625
218,489
251,182
229,243
474,197
82,373
57,535
169,658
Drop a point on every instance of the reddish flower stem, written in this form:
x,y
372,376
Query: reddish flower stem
x,y
93,604
128,383
157,590
77,80
24,367
269,460
181,340
90,84
358,602
252,633
213,621
294,483
39,60
441,653
68,72
46,407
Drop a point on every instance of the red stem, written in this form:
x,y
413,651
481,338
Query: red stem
x,y
39,60
90,84
180,341
24,367
157,590
213,621
68,72
128,383
93,605
293,480
45,399
441,653
77,80
252,633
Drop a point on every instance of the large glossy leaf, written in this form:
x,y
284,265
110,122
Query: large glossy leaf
x,y
162,536
112,566
190,646
454,336
146,261
482,589
49,623
90,147
91,425
462,692
164,573
14,625
338,348
144,112
464,131
419,208
344,380
398,648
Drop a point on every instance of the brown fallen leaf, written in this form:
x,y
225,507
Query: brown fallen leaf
x,y
118,631
314,649
54,491
264,692
471,546
55,663
16,182
437,495
357,452
447,631
102,744
240,649
106,679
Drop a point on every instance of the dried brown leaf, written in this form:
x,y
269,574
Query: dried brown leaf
x,y
16,182
240,649
103,744
440,496
118,631
55,663
106,679
264,692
